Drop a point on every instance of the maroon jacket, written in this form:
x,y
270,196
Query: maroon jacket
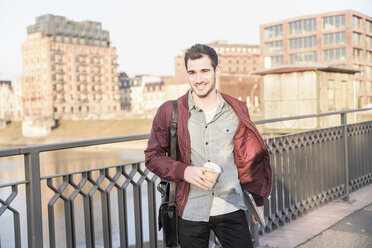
x,y
250,153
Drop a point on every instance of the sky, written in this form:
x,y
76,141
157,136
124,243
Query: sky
x,y
148,34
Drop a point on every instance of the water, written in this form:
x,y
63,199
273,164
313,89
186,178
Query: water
x,y
51,163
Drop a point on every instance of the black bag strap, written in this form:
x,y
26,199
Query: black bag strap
x,y
173,147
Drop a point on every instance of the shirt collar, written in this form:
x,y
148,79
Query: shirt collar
x,y
192,105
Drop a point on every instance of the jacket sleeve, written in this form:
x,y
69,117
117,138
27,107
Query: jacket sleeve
x,y
156,159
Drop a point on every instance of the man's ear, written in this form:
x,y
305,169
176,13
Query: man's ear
x,y
217,70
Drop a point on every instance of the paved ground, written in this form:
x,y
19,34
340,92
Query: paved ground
x,y
333,225
353,231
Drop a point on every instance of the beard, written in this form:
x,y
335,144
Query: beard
x,y
205,94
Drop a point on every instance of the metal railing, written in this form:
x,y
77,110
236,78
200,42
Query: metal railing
x,y
309,169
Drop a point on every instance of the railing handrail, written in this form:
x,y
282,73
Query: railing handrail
x,y
309,116
116,139
70,144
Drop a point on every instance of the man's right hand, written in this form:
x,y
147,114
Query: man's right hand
x,y
195,175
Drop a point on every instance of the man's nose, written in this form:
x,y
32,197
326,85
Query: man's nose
x,y
199,78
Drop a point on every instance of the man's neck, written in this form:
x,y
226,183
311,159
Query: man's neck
x,y
206,103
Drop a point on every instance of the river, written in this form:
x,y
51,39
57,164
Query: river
x,y
51,163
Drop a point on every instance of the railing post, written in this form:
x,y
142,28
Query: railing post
x,y
346,198
33,200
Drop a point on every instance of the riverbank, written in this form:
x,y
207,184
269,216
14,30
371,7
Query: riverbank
x,y
69,130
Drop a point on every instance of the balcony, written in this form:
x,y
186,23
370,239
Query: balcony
x,y
56,52
57,62
82,72
59,71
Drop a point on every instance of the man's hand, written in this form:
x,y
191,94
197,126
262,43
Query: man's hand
x,y
195,176
254,220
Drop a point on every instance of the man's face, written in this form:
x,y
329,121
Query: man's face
x,y
201,76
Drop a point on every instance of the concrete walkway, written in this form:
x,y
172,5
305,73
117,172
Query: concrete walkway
x,y
308,231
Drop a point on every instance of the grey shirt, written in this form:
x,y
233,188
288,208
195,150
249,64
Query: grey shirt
x,y
213,142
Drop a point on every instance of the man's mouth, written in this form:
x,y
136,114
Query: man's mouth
x,y
201,85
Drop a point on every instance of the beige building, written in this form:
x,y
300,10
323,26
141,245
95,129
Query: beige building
x,y
341,38
148,92
6,101
69,70
11,100
235,62
300,90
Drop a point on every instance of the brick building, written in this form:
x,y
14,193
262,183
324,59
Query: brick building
x,y
69,70
341,38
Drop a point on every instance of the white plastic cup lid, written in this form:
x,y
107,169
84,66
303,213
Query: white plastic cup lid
x,y
213,166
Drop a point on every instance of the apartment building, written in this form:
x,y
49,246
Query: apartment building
x,y
235,62
69,70
340,38
124,90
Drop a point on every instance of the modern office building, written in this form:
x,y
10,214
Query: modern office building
x,y
69,70
341,38
235,62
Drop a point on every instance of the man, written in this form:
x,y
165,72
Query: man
x,y
212,127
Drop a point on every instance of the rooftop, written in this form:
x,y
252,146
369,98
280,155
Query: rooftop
x,y
302,68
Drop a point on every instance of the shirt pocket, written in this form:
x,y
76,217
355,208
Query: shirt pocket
x,y
223,135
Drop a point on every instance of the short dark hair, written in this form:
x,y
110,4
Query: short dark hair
x,y
199,50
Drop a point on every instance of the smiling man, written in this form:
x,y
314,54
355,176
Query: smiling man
x,y
212,127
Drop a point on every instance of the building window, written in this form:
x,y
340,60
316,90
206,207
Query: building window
x,y
302,26
78,78
333,22
334,38
369,72
357,54
54,77
369,56
369,87
77,68
276,60
368,42
338,54
357,22
52,58
274,31
301,43
303,58
368,26
357,38
273,46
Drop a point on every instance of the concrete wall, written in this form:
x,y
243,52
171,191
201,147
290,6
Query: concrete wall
x,y
309,92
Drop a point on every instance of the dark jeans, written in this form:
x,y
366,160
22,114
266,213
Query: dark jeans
x,y
231,230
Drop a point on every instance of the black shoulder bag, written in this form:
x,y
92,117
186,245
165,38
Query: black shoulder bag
x,y
168,218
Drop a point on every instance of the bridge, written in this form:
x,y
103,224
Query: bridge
x,y
310,169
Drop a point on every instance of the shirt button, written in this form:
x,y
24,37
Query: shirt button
x,y
206,143
206,126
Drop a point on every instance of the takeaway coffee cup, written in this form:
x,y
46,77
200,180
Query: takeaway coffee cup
x,y
212,175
